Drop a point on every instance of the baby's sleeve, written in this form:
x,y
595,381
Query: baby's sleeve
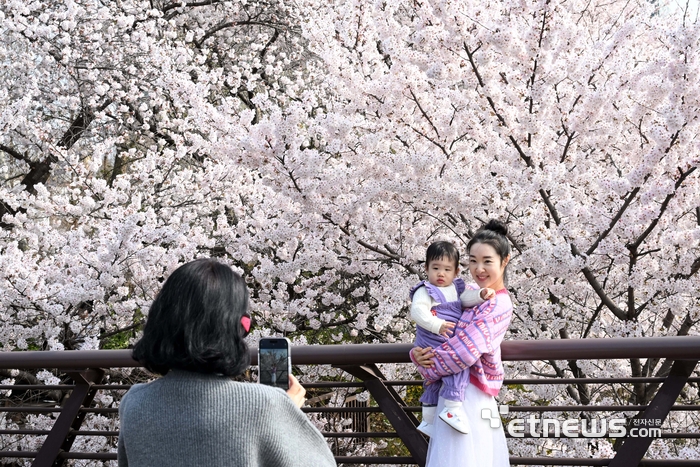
x,y
421,314
471,298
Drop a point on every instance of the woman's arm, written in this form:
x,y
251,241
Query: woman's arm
x,y
471,340
122,461
288,437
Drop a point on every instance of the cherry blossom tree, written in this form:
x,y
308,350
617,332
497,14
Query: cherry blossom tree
x,y
574,121
319,147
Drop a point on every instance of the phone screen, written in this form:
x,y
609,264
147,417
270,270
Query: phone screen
x,y
274,362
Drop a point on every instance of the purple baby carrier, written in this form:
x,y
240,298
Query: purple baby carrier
x,y
453,386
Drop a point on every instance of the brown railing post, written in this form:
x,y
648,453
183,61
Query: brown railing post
x,y
633,449
393,407
61,437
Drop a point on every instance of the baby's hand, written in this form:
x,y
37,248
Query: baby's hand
x,y
446,329
487,294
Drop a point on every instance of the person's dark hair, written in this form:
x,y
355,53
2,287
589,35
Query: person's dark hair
x,y
493,233
194,323
439,250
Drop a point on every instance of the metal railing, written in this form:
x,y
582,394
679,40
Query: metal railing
x,y
87,369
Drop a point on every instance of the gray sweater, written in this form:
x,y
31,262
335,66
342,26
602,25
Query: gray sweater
x,y
191,419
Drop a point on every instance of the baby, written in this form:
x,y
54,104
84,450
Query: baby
x,y
436,306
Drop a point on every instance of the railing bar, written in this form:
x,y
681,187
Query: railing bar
x,y
20,454
27,387
684,435
357,434
22,409
45,432
117,387
352,409
585,462
579,408
556,461
107,456
402,460
530,408
37,387
331,384
665,462
62,455
533,408
593,408
655,379
63,387
339,384
590,380
399,460
340,409
677,347
375,460
99,409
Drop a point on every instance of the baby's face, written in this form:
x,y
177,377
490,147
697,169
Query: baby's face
x,y
441,272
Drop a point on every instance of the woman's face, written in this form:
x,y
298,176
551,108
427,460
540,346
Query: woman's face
x,y
486,266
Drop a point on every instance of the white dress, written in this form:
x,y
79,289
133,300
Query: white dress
x,y
482,447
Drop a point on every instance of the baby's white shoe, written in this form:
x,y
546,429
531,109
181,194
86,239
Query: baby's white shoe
x,y
456,418
426,428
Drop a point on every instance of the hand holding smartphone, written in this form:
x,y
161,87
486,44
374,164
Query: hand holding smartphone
x,y
274,362
296,392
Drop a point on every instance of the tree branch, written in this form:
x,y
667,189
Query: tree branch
x,y
470,54
151,126
569,138
105,335
230,24
683,175
598,289
374,248
628,200
694,268
189,5
420,133
667,363
79,125
422,111
14,153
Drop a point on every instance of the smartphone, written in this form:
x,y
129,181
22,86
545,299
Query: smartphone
x,y
274,362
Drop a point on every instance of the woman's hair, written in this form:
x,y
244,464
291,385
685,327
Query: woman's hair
x,y
493,233
194,323
439,250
